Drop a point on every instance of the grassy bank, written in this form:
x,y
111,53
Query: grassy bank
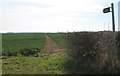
x,y
45,64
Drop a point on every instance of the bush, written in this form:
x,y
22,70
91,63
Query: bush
x,y
29,51
82,45
10,53
118,44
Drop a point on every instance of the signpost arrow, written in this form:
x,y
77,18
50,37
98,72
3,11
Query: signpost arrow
x,y
106,10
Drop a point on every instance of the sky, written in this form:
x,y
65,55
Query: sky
x,y
56,15
119,16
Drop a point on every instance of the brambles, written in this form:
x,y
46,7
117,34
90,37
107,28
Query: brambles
x,y
118,43
96,50
82,45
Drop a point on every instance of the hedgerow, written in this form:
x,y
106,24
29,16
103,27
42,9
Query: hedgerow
x,y
97,50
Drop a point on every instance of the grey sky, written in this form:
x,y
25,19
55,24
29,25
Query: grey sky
x,y
119,16
56,15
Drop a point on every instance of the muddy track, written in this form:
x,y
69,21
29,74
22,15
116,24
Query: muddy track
x,y
50,47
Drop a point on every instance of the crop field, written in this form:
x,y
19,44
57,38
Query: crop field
x,y
20,64
17,41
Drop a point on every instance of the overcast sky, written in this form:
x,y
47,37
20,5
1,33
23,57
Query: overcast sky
x,y
56,15
119,16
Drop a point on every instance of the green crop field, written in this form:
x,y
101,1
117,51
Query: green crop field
x,y
18,41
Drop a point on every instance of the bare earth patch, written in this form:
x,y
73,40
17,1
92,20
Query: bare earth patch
x,y
50,47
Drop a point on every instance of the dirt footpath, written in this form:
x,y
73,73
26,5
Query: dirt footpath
x,y
50,47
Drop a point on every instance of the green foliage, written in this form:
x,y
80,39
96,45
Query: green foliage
x,y
29,51
10,53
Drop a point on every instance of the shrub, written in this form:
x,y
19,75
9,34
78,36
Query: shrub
x,y
29,51
118,43
94,52
10,53
82,44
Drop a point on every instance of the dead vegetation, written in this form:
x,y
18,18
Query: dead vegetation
x,y
99,48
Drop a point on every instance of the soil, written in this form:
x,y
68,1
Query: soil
x,y
50,47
